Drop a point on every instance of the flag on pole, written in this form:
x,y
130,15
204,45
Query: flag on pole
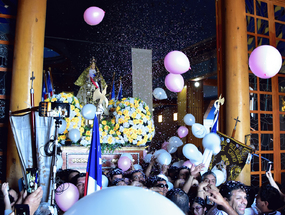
x,y
113,91
44,91
93,181
113,96
215,124
120,93
49,85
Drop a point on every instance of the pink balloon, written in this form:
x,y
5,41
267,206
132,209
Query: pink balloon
x,y
124,163
66,195
93,15
164,145
265,61
176,62
188,164
174,82
182,131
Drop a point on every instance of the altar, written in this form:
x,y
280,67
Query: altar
x,y
76,157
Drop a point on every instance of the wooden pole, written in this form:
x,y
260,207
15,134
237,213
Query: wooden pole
x,y
234,72
28,57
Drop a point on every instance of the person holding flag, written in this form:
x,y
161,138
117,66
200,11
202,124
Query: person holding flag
x,y
93,180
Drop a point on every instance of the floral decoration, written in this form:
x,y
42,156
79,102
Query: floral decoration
x,y
74,121
130,124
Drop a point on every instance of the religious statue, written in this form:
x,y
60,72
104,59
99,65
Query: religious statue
x,y
89,81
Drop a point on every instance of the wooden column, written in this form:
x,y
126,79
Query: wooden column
x,y
233,70
28,58
195,107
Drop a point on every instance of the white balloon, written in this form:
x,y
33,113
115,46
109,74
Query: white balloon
x,y
211,141
105,181
74,135
157,152
62,126
89,111
171,149
127,155
147,158
220,177
199,130
159,93
124,202
175,141
137,167
189,150
197,158
164,158
178,163
189,119
217,150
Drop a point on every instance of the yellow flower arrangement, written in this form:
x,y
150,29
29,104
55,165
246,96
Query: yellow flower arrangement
x,y
131,124
75,120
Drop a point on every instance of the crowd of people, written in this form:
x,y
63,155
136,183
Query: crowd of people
x,y
192,192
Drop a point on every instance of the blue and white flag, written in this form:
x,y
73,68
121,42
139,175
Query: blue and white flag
x,y
93,181
120,93
113,91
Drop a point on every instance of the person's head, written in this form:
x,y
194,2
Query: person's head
x,y
71,174
158,183
79,182
198,207
173,172
180,198
184,172
267,199
235,193
116,173
209,177
138,175
119,182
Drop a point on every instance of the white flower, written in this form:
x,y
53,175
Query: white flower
x,y
84,142
126,125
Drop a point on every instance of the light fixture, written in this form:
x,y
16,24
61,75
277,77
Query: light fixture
x,y
174,116
197,84
159,118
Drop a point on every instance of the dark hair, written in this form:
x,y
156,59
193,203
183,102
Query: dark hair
x,y
152,181
200,201
183,167
180,198
116,171
63,175
227,188
271,195
116,181
251,193
208,173
75,178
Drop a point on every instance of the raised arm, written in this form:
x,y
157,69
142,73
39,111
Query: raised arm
x,y
273,183
5,192
216,197
150,165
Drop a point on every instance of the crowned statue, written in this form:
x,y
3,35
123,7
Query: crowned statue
x,y
92,88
